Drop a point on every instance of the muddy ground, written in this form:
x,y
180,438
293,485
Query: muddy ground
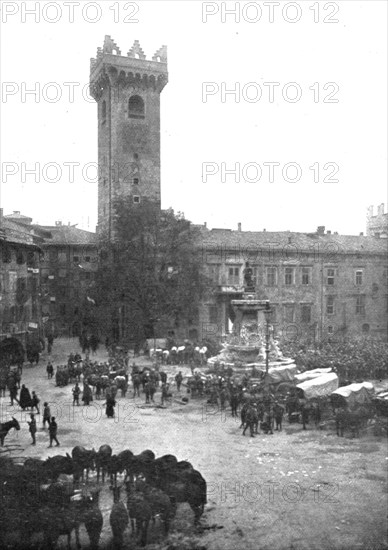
x,y
292,490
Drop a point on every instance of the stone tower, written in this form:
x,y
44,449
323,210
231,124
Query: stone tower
x,y
127,91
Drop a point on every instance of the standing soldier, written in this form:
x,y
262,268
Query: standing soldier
x,y
136,384
87,396
234,400
46,414
165,388
76,393
147,387
178,380
50,341
53,429
152,389
35,402
305,411
18,377
13,394
49,370
32,428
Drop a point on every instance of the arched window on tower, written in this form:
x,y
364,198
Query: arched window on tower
x,y
136,107
103,111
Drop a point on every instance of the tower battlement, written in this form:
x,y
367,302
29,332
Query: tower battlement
x,y
123,71
127,90
377,225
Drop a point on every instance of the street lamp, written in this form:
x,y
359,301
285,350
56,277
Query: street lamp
x,y
267,313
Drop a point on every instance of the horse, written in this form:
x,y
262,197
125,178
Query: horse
x,y
4,428
352,419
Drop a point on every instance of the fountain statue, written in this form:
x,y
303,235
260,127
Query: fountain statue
x,y
251,335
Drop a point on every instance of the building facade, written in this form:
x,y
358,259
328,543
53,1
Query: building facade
x,y
20,312
59,276
320,285
68,270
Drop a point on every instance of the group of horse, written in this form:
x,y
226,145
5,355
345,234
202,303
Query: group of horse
x,y
181,355
40,497
99,376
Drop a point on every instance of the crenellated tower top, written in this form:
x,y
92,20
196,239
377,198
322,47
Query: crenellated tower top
x,y
132,69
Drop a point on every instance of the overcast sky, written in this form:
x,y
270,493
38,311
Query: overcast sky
x,y
342,124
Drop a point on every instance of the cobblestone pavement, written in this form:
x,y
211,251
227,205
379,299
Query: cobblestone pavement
x,y
293,490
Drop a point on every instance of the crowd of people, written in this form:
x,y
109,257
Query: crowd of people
x,y
354,360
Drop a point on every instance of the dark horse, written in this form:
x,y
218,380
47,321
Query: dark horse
x,y
4,428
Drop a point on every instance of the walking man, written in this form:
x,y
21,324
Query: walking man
x,y
46,415
53,429
32,425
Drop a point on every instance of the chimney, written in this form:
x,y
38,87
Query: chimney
x,y
58,223
328,232
370,212
264,230
204,224
361,234
380,209
239,226
335,232
17,212
321,229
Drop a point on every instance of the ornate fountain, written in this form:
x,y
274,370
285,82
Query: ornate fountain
x,y
251,343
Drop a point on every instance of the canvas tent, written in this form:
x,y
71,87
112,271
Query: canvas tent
x,y
352,395
284,373
310,374
321,386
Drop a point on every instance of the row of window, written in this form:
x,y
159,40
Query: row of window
x,y
9,254
15,314
290,275
13,283
63,309
62,257
305,310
